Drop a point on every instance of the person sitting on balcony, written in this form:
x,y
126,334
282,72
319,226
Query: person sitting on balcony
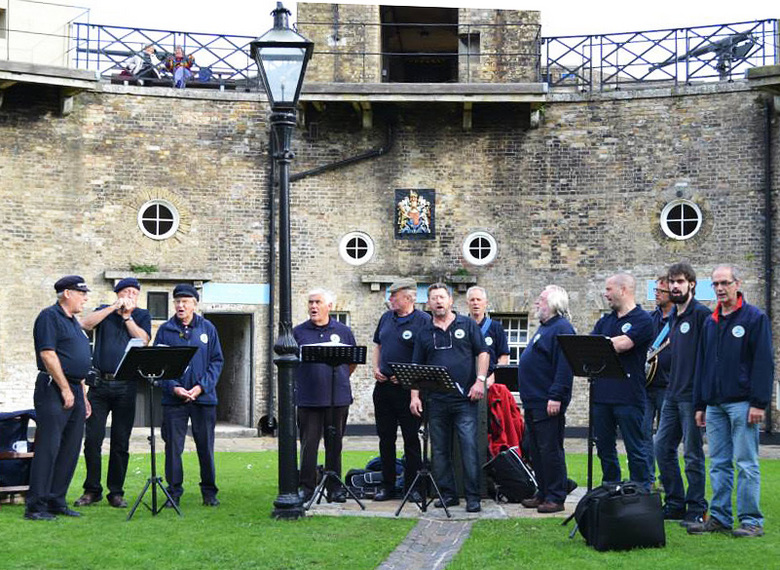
x,y
180,65
143,66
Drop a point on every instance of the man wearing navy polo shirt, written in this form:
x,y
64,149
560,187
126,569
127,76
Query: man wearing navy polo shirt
x,y
193,397
114,326
64,359
545,380
621,402
678,422
731,390
495,336
454,341
319,389
394,342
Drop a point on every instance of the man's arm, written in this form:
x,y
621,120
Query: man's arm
x,y
622,343
93,319
53,366
377,359
477,391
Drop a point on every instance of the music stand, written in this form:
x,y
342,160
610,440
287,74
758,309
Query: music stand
x,y
333,355
592,357
154,363
506,374
427,378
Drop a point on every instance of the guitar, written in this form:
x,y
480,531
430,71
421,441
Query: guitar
x,y
651,365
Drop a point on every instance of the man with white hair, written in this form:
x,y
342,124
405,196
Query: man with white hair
x,y
495,336
545,380
619,402
320,388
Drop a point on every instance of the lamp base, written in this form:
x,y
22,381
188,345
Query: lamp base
x,y
288,506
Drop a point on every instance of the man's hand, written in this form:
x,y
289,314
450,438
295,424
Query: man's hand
x,y
755,415
126,306
379,376
553,408
477,391
195,392
67,398
87,407
415,406
701,419
183,394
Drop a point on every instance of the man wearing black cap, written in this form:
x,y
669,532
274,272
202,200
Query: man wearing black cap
x,y
394,342
63,358
193,397
114,326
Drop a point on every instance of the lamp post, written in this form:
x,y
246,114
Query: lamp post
x,y
282,55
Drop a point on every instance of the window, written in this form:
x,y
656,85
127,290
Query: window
x,y
157,304
681,219
480,248
158,219
356,248
341,316
3,23
516,329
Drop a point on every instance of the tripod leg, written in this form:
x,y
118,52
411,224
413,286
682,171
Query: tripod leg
x,y
438,494
409,493
158,481
140,497
318,492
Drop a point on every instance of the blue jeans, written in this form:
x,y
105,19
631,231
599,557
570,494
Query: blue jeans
x,y
606,419
678,424
732,440
653,405
444,415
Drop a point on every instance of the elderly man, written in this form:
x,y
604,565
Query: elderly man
x,y
620,402
732,388
677,415
657,388
61,406
453,341
114,326
495,337
323,395
545,380
394,342
193,397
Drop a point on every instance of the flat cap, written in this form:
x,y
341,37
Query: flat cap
x,y
127,282
402,284
73,282
185,290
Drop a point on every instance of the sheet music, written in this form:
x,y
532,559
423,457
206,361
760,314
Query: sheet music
x,y
133,342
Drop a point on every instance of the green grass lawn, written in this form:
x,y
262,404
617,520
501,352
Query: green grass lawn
x,y
241,534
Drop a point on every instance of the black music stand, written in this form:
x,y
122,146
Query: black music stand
x,y
506,374
154,363
426,378
592,357
333,355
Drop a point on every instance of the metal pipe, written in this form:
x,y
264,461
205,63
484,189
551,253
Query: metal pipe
x,y
270,418
768,273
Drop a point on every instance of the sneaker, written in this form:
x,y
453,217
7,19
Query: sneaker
x,y
710,525
748,531
693,518
673,514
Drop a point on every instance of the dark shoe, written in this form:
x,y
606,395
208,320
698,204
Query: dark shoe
x,y
673,514
693,518
571,484
88,499
473,506
39,516
710,525
747,531
169,505
66,512
210,502
117,501
384,495
306,495
448,501
337,496
531,503
415,497
550,507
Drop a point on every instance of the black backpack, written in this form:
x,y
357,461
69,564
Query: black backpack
x,y
511,478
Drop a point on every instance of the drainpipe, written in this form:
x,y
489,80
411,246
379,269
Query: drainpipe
x,y
268,422
768,113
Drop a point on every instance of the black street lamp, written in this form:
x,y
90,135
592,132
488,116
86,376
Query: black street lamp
x,y
282,55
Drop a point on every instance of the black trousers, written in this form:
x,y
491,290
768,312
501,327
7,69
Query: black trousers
x,y
116,397
58,436
174,431
391,409
312,423
545,443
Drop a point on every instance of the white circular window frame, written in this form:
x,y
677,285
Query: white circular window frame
x,y
664,219
351,260
493,248
167,204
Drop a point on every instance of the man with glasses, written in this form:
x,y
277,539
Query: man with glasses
x,y
732,388
64,359
453,341
677,416
193,397
394,342
657,388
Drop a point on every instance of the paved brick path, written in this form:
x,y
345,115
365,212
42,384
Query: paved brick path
x,y
430,545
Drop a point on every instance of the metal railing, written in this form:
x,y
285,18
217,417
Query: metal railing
x,y
586,63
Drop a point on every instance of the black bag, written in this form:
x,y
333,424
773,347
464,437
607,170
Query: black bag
x,y
365,483
511,478
13,429
621,517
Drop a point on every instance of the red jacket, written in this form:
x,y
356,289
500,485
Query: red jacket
x,y
506,421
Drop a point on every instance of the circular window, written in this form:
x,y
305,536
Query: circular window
x,y
480,248
158,219
681,219
356,248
